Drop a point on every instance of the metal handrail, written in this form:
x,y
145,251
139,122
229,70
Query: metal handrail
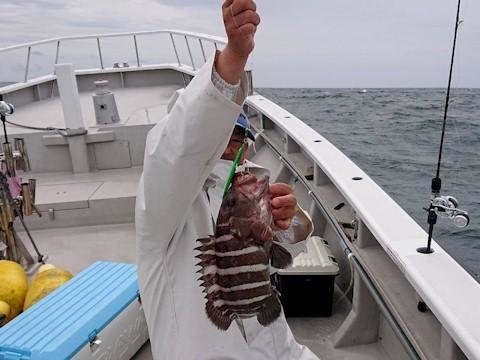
x,y
201,38
205,37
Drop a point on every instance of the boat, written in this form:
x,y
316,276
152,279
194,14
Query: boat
x,y
389,301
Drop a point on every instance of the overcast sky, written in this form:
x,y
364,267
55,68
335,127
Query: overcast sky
x,y
301,43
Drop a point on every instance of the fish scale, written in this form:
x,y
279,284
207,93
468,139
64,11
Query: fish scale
x,y
234,264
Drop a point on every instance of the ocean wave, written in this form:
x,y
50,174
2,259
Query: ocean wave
x,y
394,135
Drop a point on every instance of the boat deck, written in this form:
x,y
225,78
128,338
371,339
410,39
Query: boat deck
x,y
103,202
102,197
136,105
75,248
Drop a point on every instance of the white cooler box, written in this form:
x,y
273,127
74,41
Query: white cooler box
x,y
96,315
307,286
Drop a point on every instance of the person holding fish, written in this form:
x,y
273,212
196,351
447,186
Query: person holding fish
x,y
188,226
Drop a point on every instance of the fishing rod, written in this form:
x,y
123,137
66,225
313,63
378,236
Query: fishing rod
x,y
444,206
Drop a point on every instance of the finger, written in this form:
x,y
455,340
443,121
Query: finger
x,y
280,189
282,224
227,3
239,6
284,201
247,17
283,214
248,29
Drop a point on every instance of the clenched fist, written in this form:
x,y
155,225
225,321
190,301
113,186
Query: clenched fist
x,y
241,20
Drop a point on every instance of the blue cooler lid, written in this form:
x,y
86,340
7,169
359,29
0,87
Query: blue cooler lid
x,y
61,324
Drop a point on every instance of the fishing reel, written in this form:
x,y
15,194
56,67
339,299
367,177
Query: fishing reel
x,y
447,207
6,108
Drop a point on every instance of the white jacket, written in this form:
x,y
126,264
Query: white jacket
x,y
172,212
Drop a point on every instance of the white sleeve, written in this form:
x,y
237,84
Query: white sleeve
x,y
228,90
180,153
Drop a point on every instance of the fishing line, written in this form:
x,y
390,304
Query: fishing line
x,y
462,117
456,164
445,206
457,24
455,172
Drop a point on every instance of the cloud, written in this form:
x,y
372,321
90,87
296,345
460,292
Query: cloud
x,y
44,4
81,17
75,17
302,43
213,4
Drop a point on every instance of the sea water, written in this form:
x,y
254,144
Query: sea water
x,y
394,136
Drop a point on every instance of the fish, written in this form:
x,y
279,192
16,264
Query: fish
x,y
235,261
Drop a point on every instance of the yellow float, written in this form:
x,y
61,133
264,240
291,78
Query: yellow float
x,y
13,288
47,279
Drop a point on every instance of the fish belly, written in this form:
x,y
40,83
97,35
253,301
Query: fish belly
x,y
242,276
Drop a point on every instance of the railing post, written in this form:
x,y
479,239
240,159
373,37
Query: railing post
x,y
27,64
203,50
57,54
175,48
136,49
190,53
72,112
100,53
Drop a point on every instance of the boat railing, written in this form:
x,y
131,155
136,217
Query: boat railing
x,y
379,223
174,35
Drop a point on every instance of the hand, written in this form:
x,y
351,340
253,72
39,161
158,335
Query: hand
x,y
241,21
283,205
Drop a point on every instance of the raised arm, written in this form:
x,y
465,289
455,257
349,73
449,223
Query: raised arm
x,y
241,21
182,149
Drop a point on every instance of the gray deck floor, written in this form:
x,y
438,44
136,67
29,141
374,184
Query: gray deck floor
x,y
102,197
77,247
58,188
139,105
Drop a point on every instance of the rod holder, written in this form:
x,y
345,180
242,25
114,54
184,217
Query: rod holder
x,y
27,199
3,246
22,160
6,207
4,224
8,158
32,185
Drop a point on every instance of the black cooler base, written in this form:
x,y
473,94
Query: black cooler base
x,y
305,295
306,287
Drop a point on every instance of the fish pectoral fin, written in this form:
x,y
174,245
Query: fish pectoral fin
x,y
281,257
261,232
270,311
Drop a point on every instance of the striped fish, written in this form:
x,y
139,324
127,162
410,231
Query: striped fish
x,y
235,262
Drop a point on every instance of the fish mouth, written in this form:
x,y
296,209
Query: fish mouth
x,y
245,179
250,179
